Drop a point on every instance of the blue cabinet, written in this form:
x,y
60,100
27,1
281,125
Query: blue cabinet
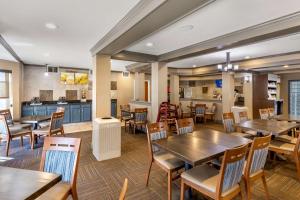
x,y
27,111
39,110
114,108
75,112
51,109
66,114
86,112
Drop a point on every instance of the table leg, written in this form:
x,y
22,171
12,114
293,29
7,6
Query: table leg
x,y
188,193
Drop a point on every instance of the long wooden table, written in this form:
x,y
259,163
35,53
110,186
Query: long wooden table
x,y
200,146
274,127
290,118
24,184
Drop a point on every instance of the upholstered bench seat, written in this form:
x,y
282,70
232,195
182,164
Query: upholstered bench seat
x,y
205,177
168,160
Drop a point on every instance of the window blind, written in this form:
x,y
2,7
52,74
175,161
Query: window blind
x,y
294,97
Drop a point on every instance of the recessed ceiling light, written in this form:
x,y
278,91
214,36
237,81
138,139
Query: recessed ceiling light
x,y
149,44
194,66
186,27
247,57
46,54
51,26
285,66
22,44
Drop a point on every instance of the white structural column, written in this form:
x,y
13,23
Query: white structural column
x,y
139,86
227,91
174,89
101,86
248,94
159,86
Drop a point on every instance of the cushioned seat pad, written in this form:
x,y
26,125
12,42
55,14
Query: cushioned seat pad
x,y
282,146
168,160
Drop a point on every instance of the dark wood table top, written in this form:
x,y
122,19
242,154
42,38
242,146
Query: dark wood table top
x,y
34,119
200,146
291,118
268,126
24,184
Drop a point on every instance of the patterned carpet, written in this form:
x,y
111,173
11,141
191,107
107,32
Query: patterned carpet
x,y
103,180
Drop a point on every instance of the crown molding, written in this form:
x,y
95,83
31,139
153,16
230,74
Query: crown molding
x,y
10,49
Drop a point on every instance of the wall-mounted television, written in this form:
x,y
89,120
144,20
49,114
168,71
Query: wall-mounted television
x,y
218,83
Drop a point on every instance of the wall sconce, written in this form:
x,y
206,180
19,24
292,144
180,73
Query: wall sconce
x,y
246,79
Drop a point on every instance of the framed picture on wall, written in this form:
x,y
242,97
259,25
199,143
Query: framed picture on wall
x,y
81,78
204,90
113,85
67,78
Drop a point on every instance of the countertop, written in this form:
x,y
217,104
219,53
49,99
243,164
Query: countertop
x,y
200,99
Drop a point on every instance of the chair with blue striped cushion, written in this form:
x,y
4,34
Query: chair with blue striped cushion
x,y
9,133
223,184
168,162
264,113
61,156
185,126
200,111
254,168
228,122
139,119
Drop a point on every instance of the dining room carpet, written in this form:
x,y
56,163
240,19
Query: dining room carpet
x,y
103,180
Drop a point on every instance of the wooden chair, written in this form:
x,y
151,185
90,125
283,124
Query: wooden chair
x,y
212,113
10,122
184,126
271,112
139,118
56,126
181,113
124,190
61,156
200,111
125,114
288,149
47,123
10,134
228,122
168,162
264,113
223,184
244,117
254,168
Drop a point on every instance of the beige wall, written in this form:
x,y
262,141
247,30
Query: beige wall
x,y
284,88
17,76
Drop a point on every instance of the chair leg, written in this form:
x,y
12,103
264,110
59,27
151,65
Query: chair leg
x,y
248,189
7,146
148,174
182,190
265,186
62,131
32,140
169,185
21,141
74,194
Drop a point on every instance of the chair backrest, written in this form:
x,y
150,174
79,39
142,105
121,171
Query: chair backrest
x,y
184,126
124,190
264,113
271,112
243,116
156,131
140,115
200,109
56,123
4,126
297,147
61,156
257,155
8,116
232,169
228,122
60,109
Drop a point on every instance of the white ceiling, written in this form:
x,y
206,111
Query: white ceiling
x,y
270,47
80,25
5,55
216,19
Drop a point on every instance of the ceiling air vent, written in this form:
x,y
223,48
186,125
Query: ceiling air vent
x,y
126,74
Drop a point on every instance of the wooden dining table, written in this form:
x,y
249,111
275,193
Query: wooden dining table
x,y
200,146
35,119
290,118
274,127
25,184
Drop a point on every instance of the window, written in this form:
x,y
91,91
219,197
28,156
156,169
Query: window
x,y
294,97
4,85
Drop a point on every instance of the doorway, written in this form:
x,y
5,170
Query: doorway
x,y
147,91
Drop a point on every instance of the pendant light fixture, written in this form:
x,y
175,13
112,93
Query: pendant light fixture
x,y
228,67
